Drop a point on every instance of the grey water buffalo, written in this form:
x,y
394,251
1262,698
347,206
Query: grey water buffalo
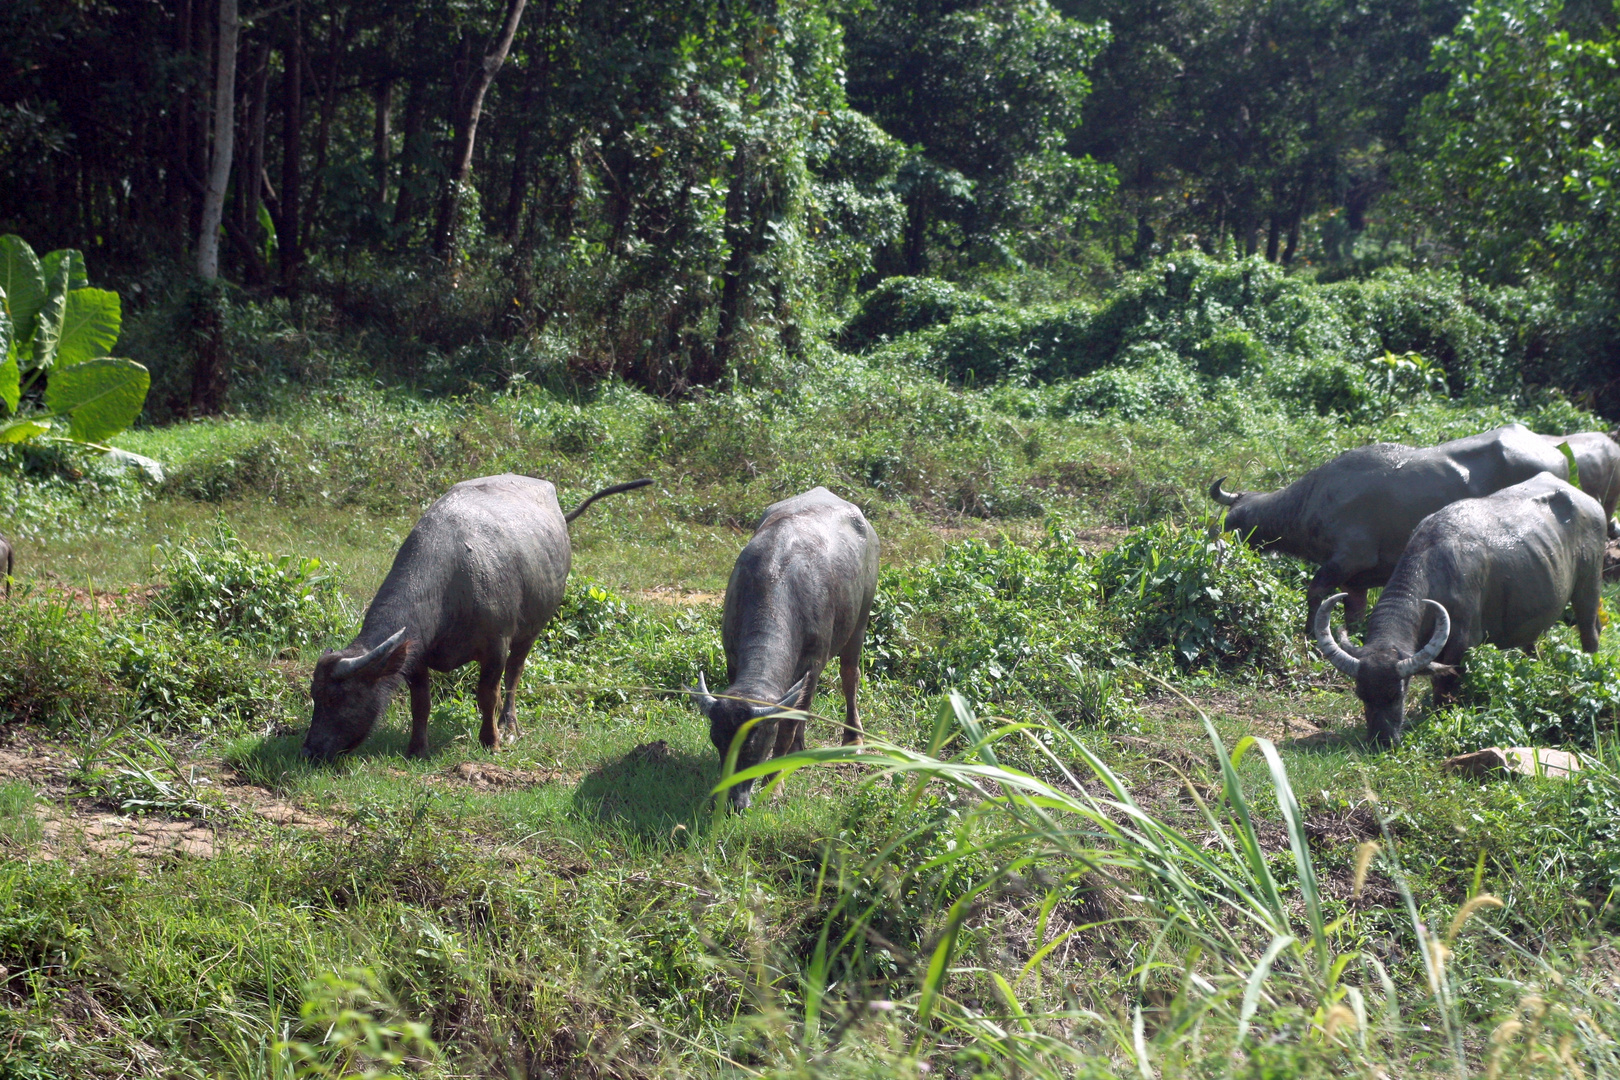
x,y
478,578
6,561
1597,460
1353,516
1498,569
800,594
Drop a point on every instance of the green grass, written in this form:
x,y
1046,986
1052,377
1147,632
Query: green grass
x,y
585,912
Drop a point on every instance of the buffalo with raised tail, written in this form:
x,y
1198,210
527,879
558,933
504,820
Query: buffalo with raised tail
x,y
800,593
1498,569
1353,516
477,579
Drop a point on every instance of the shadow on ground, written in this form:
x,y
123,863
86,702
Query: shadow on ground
x,y
650,790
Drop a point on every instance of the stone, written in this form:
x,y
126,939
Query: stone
x,y
1519,760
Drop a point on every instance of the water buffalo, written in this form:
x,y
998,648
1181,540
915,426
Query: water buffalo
x,y
5,560
1597,459
799,595
1353,516
477,579
1497,569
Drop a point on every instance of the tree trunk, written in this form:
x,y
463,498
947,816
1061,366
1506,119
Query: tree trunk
x,y
287,223
382,136
469,102
1273,235
219,164
340,45
250,174
411,151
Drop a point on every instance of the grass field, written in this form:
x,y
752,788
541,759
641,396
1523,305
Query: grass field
x,y
1055,873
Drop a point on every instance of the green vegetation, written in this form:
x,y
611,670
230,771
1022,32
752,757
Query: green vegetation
x,y
1019,279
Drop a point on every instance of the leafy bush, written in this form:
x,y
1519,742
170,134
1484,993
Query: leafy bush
x,y
1006,623
218,584
196,682
55,670
904,305
1209,600
1562,696
1323,346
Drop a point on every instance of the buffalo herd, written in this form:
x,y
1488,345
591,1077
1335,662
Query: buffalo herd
x,y
1481,539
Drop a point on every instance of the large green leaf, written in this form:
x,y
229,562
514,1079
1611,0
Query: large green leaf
x,y
23,281
48,326
21,430
90,326
99,397
78,278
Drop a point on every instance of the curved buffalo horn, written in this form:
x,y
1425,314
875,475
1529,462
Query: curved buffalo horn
x,y
790,700
1324,637
703,699
1437,641
1220,495
351,664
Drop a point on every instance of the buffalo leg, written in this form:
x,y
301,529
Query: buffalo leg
x,y
849,676
1587,599
421,708
489,699
1447,687
514,672
1329,580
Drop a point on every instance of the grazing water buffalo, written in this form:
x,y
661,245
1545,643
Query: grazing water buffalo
x,y
1597,459
1353,516
477,579
1497,569
799,595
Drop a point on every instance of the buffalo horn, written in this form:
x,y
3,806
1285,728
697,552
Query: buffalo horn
x,y
790,700
1437,641
351,664
1324,637
1225,498
704,699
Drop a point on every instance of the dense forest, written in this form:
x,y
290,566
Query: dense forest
x,y
1047,290
682,195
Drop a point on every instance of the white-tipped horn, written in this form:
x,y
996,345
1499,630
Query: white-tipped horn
x,y
1221,495
703,699
1324,637
350,665
1437,641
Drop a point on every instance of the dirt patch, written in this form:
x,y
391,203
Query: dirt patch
x,y
113,835
101,600
673,597
480,774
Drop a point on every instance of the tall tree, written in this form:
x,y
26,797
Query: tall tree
x,y
223,147
469,103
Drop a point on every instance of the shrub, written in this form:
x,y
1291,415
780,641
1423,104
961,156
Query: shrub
x,y
54,667
196,682
904,305
1005,623
1561,696
218,584
1209,600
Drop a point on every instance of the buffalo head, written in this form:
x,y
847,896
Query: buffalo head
x,y
1381,668
729,715
351,691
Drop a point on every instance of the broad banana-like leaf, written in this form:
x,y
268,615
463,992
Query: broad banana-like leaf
x,y
23,281
99,397
18,430
78,277
48,327
90,323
